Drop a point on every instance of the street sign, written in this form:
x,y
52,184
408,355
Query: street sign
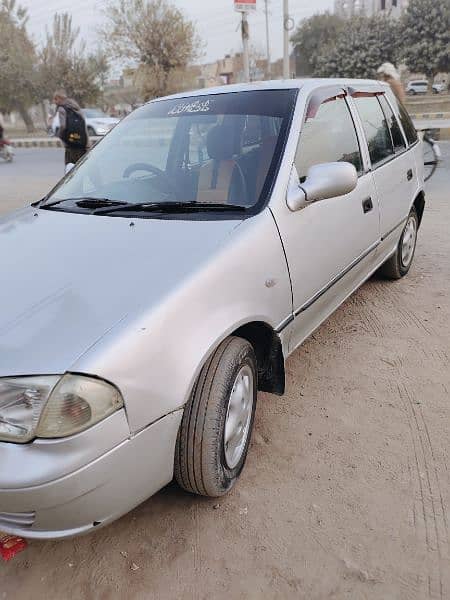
x,y
244,5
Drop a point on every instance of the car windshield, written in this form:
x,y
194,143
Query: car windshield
x,y
94,113
220,149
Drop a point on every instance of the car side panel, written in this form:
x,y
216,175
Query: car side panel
x,y
155,358
396,183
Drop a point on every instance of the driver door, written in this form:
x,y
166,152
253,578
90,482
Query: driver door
x,y
328,244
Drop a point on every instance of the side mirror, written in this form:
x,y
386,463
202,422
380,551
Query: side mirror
x,y
69,167
323,181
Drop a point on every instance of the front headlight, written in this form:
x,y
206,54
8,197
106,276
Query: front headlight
x,y
52,407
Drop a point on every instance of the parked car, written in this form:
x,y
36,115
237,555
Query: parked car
x,y
98,122
420,86
179,264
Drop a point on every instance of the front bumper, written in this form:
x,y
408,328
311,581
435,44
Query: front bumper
x,y
94,494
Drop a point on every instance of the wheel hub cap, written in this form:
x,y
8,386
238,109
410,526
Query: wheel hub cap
x,y
409,241
239,415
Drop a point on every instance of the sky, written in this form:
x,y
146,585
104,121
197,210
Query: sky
x,y
216,21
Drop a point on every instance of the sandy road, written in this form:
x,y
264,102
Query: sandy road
x,y
346,493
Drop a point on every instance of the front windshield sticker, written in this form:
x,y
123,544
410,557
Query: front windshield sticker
x,y
191,107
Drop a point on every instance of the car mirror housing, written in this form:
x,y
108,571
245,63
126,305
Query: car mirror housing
x,y
69,167
324,181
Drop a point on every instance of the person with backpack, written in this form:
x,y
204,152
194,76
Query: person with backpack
x,y
72,127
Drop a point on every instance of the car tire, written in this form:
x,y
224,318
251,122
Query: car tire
x,y
91,131
217,423
412,92
398,265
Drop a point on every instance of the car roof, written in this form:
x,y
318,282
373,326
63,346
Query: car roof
x,y
276,84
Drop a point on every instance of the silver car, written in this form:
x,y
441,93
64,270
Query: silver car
x,y
163,282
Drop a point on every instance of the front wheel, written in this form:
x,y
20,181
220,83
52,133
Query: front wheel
x,y
91,131
398,265
217,423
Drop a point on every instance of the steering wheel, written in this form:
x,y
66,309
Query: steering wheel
x,y
151,169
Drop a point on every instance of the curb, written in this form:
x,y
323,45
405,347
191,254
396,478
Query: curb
x,y
36,143
422,116
43,142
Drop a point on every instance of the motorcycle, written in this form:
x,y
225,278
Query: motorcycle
x,y
6,150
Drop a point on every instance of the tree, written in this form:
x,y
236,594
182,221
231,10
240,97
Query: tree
x,y
65,63
314,34
360,48
17,62
152,34
426,30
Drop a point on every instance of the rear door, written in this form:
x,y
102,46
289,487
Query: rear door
x,y
393,168
328,243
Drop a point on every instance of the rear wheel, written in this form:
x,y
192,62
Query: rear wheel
x,y
400,262
90,131
217,423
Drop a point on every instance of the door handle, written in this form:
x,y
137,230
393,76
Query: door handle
x,y
367,205
409,174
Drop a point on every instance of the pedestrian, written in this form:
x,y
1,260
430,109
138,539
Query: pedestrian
x,y
2,127
390,75
72,127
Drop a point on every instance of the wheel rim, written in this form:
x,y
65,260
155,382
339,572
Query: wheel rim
x,y
239,416
409,241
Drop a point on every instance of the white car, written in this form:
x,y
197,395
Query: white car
x,y
420,86
98,122
216,230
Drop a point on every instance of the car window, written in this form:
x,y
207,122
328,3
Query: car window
x,y
396,133
328,135
198,147
375,127
209,149
405,119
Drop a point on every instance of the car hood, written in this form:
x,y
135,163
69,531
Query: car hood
x,y
69,278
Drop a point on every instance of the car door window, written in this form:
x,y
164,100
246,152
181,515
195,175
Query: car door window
x,y
376,128
405,119
397,137
328,135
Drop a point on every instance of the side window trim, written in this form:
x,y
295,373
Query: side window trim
x,y
387,123
362,141
358,137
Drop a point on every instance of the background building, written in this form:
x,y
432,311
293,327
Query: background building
x,y
349,8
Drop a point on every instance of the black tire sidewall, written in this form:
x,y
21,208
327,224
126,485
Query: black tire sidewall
x,y
226,475
401,267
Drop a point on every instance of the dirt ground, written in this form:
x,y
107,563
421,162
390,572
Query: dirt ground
x,y
346,492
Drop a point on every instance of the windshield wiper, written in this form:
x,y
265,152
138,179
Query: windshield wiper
x,y
169,207
87,202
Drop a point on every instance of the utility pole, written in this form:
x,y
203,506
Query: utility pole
x,y
245,57
267,38
286,28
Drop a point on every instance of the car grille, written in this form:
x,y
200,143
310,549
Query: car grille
x,y
20,520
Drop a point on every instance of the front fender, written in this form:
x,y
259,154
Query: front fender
x,y
155,357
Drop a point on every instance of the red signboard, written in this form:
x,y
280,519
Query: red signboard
x,y
245,5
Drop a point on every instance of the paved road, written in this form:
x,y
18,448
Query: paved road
x,y
346,493
31,175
